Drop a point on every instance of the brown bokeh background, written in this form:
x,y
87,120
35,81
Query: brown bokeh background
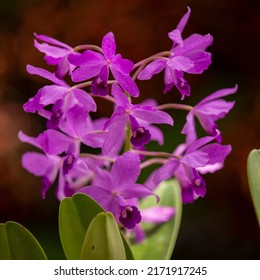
x,y
220,226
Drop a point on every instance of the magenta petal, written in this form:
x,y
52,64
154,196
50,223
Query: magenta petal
x,y
126,169
30,140
56,142
102,197
156,134
194,43
125,66
175,36
94,140
51,51
109,45
33,105
52,41
45,74
85,99
216,109
201,61
39,164
86,72
120,97
136,191
207,123
152,115
201,142
115,137
75,123
183,21
189,128
217,153
157,214
219,93
88,57
50,94
180,63
195,159
164,172
126,82
152,68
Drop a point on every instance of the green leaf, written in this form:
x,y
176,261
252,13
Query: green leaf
x,y
253,171
128,250
75,215
160,240
103,240
17,243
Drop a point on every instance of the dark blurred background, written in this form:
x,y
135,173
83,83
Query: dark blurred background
x,y
222,225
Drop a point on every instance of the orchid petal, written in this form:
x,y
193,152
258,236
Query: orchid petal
x,y
152,68
157,214
126,82
219,93
50,94
125,170
183,21
152,115
45,74
52,41
195,159
109,45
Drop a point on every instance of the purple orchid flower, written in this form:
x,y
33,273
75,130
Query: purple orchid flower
x,y
56,53
59,94
93,64
72,172
45,166
114,190
201,155
76,128
208,111
186,55
81,175
126,112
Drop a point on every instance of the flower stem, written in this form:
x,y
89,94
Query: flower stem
x,y
88,47
151,58
174,106
98,157
152,161
105,97
156,154
141,64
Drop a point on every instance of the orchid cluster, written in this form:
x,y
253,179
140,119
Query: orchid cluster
x,y
110,174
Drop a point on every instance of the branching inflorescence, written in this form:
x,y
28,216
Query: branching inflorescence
x,y
109,175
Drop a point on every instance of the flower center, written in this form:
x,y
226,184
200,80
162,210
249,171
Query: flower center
x,y
68,163
130,216
140,137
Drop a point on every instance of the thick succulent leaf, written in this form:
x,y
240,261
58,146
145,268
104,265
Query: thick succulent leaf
x,y
253,170
103,240
17,243
75,215
160,239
